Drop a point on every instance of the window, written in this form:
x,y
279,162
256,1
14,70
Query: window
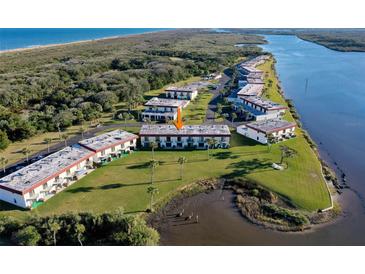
x,y
168,139
113,149
68,172
14,201
103,153
131,142
45,186
257,138
179,139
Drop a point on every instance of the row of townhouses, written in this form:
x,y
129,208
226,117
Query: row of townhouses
x,y
268,124
34,184
188,137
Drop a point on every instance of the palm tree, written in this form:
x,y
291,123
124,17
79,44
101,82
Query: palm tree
x,y
211,143
3,162
233,117
82,131
153,164
54,227
59,130
79,230
271,139
182,160
139,112
241,109
287,152
47,141
153,145
64,138
152,190
26,152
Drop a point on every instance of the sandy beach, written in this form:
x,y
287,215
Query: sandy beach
x,y
74,42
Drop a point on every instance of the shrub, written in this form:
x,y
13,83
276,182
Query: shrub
x,y
290,216
27,236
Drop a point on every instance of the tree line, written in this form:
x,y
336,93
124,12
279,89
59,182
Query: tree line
x,y
113,228
71,89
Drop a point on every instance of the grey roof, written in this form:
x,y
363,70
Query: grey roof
x,y
33,175
188,130
250,69
251,90
266,104
255,80
269,126
155,101
189,89
256,61
108,139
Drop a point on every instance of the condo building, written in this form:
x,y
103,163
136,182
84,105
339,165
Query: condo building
x,y
261,131
160,109
32,185
261,109
184,93
110,145
188,137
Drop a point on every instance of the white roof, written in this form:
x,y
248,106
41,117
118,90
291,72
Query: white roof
x,y
29,177
163,102
269,126
108,139
251,90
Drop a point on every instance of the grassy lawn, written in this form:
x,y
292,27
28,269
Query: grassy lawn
x,y
159,92
196,111
124,182
36,143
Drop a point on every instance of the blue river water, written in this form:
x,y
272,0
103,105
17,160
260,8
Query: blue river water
x,y
328,90
14,38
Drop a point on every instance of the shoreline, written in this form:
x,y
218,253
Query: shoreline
x,y
313,145
35,47
324,217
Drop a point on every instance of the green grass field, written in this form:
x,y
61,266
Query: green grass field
x,y
123,183
196,111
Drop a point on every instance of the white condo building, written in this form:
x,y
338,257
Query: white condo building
x,y
185,93
160,109
110,145
32,185
261,109
191,136
261,130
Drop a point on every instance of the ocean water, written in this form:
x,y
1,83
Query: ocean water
x,y
15,38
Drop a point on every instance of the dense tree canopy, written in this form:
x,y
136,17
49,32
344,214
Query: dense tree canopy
x,y
113,228
67,85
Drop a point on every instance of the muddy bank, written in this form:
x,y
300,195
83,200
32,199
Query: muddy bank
x,y
265,208
218,212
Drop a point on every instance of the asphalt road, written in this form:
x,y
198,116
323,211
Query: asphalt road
x,y
212,106
71,141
